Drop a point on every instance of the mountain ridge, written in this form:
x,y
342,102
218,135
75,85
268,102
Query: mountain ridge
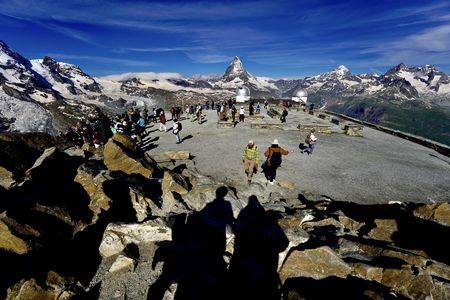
x,y
44,82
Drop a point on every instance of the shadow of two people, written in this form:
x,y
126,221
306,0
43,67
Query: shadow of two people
x,y
195,258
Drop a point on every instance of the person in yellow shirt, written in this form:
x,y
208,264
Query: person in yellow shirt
x,y
250,158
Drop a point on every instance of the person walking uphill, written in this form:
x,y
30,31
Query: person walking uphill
x,y
273,161
311,140
250,158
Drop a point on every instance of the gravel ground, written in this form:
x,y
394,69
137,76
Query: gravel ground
x,y
372,169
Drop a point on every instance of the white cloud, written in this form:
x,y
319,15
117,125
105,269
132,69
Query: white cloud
x,y
430,46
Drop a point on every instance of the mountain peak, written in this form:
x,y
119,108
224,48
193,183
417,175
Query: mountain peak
x,y
236,69
341,70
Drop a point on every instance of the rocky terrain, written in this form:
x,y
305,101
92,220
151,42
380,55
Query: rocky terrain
x,y
120,223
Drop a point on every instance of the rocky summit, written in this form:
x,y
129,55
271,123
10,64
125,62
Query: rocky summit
x,y
122,222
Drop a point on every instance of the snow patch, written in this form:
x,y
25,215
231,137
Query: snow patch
x,y
29,117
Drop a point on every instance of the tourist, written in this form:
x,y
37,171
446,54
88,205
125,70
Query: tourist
x,y
162,121
310,140
258,107
251,108
176,130
233,113
241,114
284,115
102,124
250,159
273,160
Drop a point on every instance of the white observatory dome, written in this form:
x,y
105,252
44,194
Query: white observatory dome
x,y
301,93
243,91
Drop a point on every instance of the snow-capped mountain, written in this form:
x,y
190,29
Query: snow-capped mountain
x,y
236,76
399,84
236,70
46,95
65,78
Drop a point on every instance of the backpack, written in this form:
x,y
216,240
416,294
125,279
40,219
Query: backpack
x,y
275,158
180,126
308,139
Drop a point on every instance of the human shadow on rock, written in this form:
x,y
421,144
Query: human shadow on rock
x,y
258,241
194,260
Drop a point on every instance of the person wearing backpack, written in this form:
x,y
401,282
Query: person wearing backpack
x,y
176,128
273,161
310,140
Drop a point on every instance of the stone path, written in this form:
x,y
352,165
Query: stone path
x,y
372,169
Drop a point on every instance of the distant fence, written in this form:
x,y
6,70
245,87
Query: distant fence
x,y
438,147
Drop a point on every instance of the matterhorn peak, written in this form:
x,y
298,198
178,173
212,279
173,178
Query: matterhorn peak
x,y
236,69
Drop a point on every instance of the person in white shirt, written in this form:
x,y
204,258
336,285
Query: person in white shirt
x,y
241,114
310,140
176,130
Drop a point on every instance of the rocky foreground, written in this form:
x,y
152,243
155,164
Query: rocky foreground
x,y
113,223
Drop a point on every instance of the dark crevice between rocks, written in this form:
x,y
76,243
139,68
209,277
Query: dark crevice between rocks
x,y
335,288
150,188
384,262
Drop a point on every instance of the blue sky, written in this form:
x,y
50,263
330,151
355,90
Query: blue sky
x,y
278,39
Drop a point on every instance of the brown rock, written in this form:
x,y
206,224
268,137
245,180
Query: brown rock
x,y
141,205
439,269
425,211
287,184
125,141
6,178
173,182
21,229
438,212
291,227
350,224
116,159
316,263
384,230
55,281
404,282
367,272
442,214
93,185
178,155
30,290
10,242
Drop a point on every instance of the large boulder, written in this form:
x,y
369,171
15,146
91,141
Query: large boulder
x,y
117,236
119,158
316,263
